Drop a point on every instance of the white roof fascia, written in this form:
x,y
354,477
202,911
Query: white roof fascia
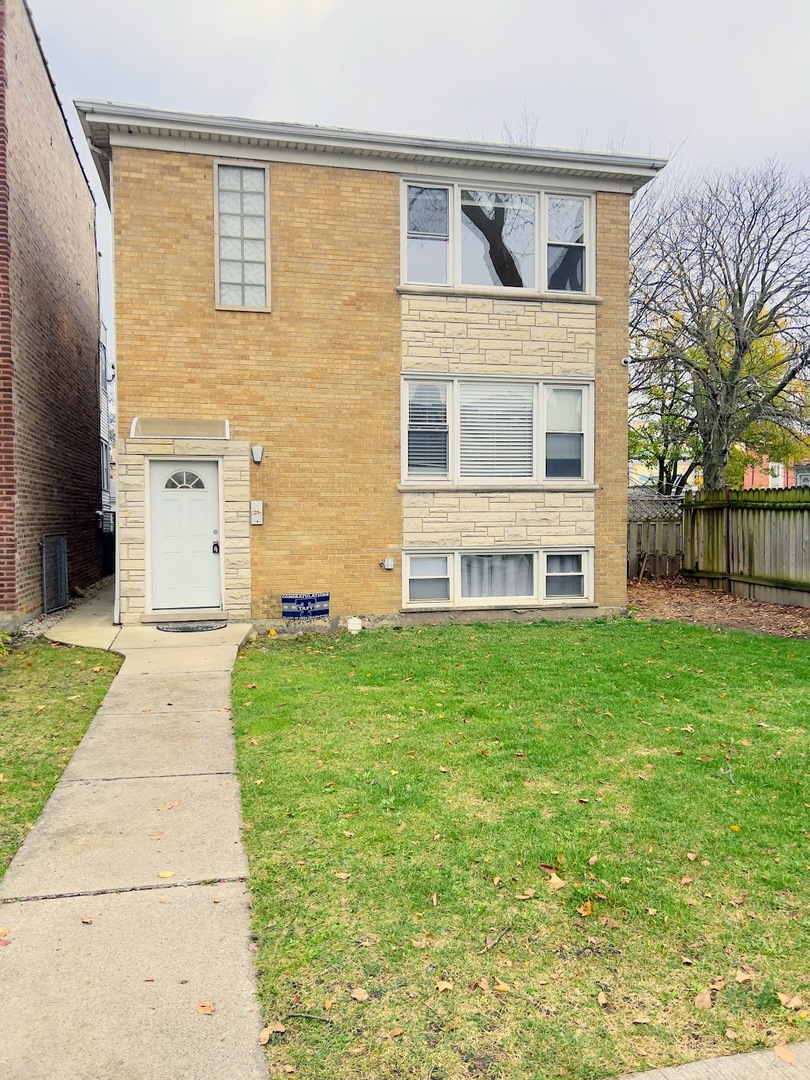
x,y
110,123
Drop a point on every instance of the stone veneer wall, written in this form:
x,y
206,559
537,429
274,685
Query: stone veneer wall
x,y
132,495
461,519
464,335
470,335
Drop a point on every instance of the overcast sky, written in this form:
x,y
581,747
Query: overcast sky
x,y
716,82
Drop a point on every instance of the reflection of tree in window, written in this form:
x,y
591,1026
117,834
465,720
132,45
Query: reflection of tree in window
x,y
497,239
566,248
428,234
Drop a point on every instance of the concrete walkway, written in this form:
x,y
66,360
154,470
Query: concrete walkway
x,y
760,1065
126,906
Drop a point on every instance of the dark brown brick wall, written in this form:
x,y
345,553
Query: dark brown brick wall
x,y
51,288
8,548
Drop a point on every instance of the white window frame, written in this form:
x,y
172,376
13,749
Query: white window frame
x,y
455,283
538,478
240,163
537,599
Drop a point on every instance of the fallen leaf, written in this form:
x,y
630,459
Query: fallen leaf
x,y
169,805
583,800
690,900
785,1054
442,768
348,834
359,994
264,1036
602,998
166,873
717,984
87,920
206,1008
586,908
556,883
691,856
155,836
5,941
791,1001
609,924
501,987
341,875
403,825
730,1034
594,859
527,894
744,975
735,828
73,697
423,943
496,880
251,686
686,880
3,931
443,985
641,1019
97,668
434,899
286,1068
395,1033
704,999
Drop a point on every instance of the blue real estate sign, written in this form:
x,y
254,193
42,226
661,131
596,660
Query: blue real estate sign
x,y
305,605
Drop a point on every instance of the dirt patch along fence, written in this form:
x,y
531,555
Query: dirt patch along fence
x,y
654,536
754,544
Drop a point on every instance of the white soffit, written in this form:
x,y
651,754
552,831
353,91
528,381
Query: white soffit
x,y
107,124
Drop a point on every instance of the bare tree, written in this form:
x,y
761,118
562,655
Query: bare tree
x,y
721,295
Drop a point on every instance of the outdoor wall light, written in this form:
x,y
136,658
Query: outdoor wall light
x,y
257,452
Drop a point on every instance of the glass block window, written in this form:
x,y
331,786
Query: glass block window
x,y
242,224
185,480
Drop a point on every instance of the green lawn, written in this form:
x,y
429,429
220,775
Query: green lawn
x,y
409,794
48,696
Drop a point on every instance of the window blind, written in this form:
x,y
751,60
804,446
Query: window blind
x,y
497,429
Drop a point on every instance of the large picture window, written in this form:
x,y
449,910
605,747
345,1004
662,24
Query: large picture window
x,y
492,578
487,238
467,431
241,195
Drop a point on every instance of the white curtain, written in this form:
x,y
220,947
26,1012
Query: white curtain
x,y
497,575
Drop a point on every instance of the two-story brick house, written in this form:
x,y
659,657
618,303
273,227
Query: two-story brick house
x,y
380,367
50,460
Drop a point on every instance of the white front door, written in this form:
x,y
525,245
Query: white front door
x,y
185,540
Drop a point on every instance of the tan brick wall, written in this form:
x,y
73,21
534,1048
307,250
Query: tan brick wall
x,y
52,290
612,253
467,335
316,381
496,519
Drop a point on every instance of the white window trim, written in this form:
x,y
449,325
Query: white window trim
x,y
540,290
538,599
538,481
242,163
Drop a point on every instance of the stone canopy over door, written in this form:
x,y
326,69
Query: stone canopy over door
x,y
185,548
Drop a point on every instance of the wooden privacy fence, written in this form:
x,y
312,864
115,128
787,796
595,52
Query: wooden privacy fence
x,y
654,535
752,543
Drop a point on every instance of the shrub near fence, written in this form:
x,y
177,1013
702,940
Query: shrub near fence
x,y
752,543
654,534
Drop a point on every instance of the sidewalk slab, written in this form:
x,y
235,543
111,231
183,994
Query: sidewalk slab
x,y
149,637
158,661
759,1065
96,835
117,999
120,745
166,692
90,624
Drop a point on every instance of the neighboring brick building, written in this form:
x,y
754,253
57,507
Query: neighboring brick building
x,y
425,339
49,331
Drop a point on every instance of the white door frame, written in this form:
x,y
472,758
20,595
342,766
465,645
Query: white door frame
x,y
147,522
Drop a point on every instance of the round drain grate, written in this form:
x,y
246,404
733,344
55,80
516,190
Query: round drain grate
x,y
190,627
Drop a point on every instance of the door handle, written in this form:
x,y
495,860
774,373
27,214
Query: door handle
x,y
215,547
